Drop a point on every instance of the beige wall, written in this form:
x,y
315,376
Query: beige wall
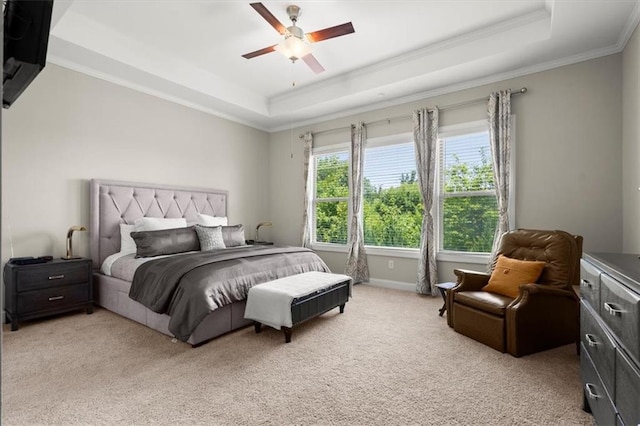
x,y
569,157
67,128
631,144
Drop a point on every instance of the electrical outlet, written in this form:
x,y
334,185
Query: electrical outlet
x,y
391,265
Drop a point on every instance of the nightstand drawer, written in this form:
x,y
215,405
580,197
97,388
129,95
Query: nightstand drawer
x,y
52,275
52,299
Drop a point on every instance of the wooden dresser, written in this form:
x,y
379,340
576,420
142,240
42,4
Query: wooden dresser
x,y
610,337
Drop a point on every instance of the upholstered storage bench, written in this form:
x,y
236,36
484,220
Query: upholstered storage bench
x,y
289,301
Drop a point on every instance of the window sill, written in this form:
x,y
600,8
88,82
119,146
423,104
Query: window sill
x,y
461,257
373,251
338,248
455,257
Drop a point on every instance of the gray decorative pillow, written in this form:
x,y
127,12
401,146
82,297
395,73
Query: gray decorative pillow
x,y
233,235
165,241
210,237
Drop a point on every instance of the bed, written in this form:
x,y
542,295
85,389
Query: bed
x,y
115,202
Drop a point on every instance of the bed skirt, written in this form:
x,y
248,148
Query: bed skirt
x,y
113,294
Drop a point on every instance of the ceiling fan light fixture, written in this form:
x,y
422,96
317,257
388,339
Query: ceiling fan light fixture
x,y
293,48
296,44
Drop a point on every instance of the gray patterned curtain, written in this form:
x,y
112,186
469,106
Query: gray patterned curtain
x,y
499,109
425,135
357,267
306,213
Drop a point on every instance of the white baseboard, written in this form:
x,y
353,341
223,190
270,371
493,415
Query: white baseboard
x,y
395,285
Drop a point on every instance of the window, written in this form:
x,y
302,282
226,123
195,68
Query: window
x,y
331,202
467,208
392,201
392,205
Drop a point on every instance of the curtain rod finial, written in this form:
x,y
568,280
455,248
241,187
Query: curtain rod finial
x,y
523,90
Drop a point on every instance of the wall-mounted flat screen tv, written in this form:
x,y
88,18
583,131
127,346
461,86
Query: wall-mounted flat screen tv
x,y
26,35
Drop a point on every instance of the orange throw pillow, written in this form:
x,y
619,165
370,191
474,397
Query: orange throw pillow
x,y
509,274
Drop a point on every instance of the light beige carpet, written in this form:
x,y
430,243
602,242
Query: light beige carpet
x,y
389,359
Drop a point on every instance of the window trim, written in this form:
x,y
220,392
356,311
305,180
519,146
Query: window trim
x,y
395,139
326,150
460,129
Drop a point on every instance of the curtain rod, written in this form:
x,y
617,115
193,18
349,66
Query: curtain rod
x,y
406,116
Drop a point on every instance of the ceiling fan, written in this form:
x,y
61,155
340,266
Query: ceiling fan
x,y
296,44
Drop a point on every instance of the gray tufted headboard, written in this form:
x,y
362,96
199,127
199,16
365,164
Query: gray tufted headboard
x,y
115,202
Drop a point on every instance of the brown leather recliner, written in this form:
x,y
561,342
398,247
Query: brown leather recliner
x,y
543,316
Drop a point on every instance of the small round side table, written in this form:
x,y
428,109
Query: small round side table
x,y
443,291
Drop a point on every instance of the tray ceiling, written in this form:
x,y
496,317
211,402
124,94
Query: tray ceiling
x,y
189,51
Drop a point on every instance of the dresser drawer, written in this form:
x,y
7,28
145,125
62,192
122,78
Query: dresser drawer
x,y
599,345
51,275
627,389
590,284
599,401
620,310
52,299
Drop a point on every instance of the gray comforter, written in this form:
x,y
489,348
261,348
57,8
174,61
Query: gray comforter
x,y
190,286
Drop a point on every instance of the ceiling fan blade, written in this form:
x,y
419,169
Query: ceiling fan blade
x,y
337,31
313,63
259,52
268,16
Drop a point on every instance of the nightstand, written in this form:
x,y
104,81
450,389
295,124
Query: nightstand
x,y
33,291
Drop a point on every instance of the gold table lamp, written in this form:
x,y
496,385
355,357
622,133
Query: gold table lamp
x,y
261,224
70,255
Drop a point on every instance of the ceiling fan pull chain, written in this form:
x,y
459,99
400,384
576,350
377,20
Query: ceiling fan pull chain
x,y
293,74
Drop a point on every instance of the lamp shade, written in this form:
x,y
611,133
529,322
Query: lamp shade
x,y
293,48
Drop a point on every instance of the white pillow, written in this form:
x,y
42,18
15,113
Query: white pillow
x,y
127,245
206,220
158,223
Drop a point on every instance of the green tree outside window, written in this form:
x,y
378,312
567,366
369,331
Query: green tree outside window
x,y
393,215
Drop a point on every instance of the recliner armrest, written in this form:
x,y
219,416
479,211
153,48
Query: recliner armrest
x,y
470,280
545,290
467,281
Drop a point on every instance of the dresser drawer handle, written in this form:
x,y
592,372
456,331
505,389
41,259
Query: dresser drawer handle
x,y
609,307
591,340
586,283
51,299
56,277
591,391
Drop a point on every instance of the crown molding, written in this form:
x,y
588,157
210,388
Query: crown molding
x,y
456,87
92,72
450,43
629,28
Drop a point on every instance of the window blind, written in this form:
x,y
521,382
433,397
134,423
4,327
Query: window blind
x,y
468,208
392,204
330,204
